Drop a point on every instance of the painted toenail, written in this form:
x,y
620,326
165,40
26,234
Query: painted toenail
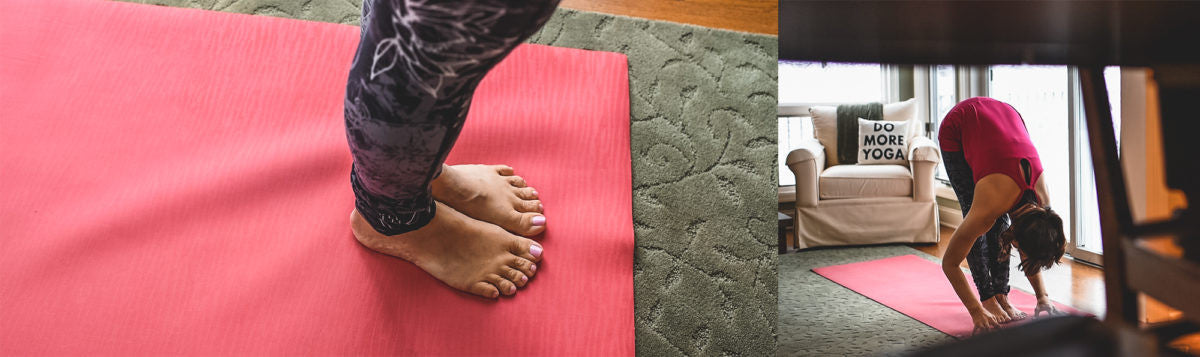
x,y
533,268
538,221
535,193
536,251
524,278
540,207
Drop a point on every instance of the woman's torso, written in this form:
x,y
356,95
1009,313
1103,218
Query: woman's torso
x,y
993,139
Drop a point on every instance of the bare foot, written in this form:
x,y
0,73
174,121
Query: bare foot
x,y
1015,314
469,255
992,306
491,193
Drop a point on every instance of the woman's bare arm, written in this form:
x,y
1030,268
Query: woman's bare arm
x,y
973,226
992,196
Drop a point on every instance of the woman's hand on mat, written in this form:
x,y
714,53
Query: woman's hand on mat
x,y
1047,307
984,321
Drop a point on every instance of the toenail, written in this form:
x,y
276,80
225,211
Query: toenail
x,y
533,268
536,251
524,278
538,220
540,207
512,289
535,193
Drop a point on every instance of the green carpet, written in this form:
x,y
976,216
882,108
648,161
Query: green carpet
x,y
704,149
818,317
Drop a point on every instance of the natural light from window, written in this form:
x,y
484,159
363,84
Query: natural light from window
x,y
807,83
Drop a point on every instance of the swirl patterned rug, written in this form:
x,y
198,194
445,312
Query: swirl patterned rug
x,y
704,149
817,316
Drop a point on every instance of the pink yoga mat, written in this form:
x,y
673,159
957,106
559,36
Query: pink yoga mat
x,y
918,288
175,181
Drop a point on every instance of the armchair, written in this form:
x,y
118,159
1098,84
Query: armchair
x,y
865,204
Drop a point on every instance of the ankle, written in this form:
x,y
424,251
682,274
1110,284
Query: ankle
x,y
447,187
439,183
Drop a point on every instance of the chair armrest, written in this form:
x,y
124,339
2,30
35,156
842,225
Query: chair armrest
x,y
923,156
806,163
923,149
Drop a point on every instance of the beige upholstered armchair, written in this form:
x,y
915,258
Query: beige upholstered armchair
x,y
864,204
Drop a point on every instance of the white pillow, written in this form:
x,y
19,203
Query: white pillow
x,y
882,142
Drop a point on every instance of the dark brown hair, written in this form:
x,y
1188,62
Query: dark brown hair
x,y
1039,233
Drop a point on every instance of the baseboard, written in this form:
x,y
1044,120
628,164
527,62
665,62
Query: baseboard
x,y
941,190
949,217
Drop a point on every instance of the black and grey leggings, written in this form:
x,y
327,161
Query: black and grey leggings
x,y
989,272
417,65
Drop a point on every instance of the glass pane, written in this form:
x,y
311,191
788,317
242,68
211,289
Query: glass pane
x,y
820,83
945,96
945,84
1039,93
792,131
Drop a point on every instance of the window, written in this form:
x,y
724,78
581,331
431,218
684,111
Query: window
x,y
802,84
944,93
1040,94
818,82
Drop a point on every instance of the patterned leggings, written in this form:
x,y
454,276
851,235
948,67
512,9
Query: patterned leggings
x,y
987,270
417,65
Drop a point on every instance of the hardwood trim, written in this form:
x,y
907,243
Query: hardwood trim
x,y
1115,218
755,16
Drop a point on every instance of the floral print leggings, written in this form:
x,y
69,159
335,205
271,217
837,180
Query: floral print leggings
x,y
410,86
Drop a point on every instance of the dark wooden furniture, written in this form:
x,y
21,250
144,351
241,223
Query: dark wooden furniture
x,y
1155,34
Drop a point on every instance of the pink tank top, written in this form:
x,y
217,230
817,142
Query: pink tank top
x,y
992,137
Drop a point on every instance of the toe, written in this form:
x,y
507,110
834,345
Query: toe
x,y
529,206
524,266
515,276
526,248
515,181
484,289
506,287
531,224
503,170
526,193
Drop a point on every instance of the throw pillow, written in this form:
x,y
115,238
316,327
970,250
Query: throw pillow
x,y
882,142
